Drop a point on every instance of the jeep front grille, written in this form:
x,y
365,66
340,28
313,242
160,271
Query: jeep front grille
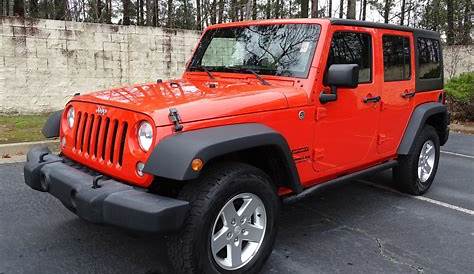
x,y
100,137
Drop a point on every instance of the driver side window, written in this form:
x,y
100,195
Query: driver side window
x,y
352,48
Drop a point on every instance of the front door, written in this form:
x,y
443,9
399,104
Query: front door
x,y
346,129
397,84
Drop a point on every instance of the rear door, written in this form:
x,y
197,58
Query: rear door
x,y
397,87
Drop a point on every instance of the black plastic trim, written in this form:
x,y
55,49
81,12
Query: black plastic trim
x,y
358,23
417,122
111,202
339,180
52,125
172,157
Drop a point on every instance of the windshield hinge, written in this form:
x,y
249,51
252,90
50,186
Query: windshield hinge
x,y
175,119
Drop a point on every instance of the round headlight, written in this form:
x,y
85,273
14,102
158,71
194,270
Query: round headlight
x,y
70,117
145,136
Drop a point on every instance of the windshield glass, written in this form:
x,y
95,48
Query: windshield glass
x,y
282,50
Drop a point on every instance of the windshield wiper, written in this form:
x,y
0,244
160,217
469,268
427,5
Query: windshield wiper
x,y
263,81
205,70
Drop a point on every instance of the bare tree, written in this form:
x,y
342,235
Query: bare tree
x,y
402,13
341,8
304,8
221,11
169,19
450,14
60,9
314,9
126,12
19,8
386,10
466,37
351,9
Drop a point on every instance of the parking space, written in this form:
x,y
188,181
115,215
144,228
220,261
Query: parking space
x,y
362,226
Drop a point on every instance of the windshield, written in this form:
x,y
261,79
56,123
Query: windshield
x,y
282,50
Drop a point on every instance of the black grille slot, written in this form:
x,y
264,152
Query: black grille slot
x,y
104,140
122,142
112,144
96,141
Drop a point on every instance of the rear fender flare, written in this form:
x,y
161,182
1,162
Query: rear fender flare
x,y
417,121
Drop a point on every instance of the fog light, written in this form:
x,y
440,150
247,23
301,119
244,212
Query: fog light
x,y
197,164
140,167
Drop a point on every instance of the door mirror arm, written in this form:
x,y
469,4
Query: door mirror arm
x,y
328,97
340,75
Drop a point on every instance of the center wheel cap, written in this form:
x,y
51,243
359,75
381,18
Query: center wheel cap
x,y
237,230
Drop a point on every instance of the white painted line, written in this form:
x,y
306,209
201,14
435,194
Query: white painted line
x,y
457,154
422,198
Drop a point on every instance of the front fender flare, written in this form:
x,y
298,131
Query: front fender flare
x,y
172,157
52,125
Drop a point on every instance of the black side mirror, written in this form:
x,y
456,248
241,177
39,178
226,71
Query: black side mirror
x,y
340,75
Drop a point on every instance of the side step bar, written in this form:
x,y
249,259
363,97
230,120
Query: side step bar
x,y
339,180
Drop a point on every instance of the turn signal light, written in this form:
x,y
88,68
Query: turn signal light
x,y
197,164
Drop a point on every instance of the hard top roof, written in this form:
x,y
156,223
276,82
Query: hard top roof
x,y
358,23
332,21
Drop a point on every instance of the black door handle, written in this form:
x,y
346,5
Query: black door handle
x,y
374,99
407,94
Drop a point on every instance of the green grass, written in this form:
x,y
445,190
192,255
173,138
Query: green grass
x,y
21,128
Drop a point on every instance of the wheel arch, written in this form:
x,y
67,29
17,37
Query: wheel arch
x,y
434,114
252,143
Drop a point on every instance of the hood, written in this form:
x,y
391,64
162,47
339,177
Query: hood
x,y
199,100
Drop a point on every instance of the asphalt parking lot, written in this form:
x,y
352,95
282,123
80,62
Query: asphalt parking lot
x,y
360,227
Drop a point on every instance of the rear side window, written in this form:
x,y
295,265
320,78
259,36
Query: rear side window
x,y
396,58
353,48
429,58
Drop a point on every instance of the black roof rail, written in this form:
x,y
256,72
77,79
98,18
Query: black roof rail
x,y
359,23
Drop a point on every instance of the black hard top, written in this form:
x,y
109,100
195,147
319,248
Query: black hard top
x,y
358,23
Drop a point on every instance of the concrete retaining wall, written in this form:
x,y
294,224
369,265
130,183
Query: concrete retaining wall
x,y
44,62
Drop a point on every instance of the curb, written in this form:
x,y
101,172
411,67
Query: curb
x,y
9,150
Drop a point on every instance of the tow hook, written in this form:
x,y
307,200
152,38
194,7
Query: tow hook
x,y
95,181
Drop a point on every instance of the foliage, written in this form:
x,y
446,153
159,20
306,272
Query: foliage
x,y
460,91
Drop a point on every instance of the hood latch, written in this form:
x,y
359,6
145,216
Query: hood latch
x,y
175,119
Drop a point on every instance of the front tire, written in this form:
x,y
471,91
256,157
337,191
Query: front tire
x,y
416,171
231,225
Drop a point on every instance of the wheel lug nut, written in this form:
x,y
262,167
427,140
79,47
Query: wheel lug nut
x,y
236,239
229,234
233,222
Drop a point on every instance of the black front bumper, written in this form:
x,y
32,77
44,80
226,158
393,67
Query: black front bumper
x,y
112,203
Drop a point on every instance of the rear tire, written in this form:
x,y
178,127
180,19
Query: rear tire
x,y
222,188
416,171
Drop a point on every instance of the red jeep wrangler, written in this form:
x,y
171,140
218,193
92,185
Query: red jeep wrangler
x,y
266,111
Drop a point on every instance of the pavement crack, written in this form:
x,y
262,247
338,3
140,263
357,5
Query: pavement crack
x,y
383,253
